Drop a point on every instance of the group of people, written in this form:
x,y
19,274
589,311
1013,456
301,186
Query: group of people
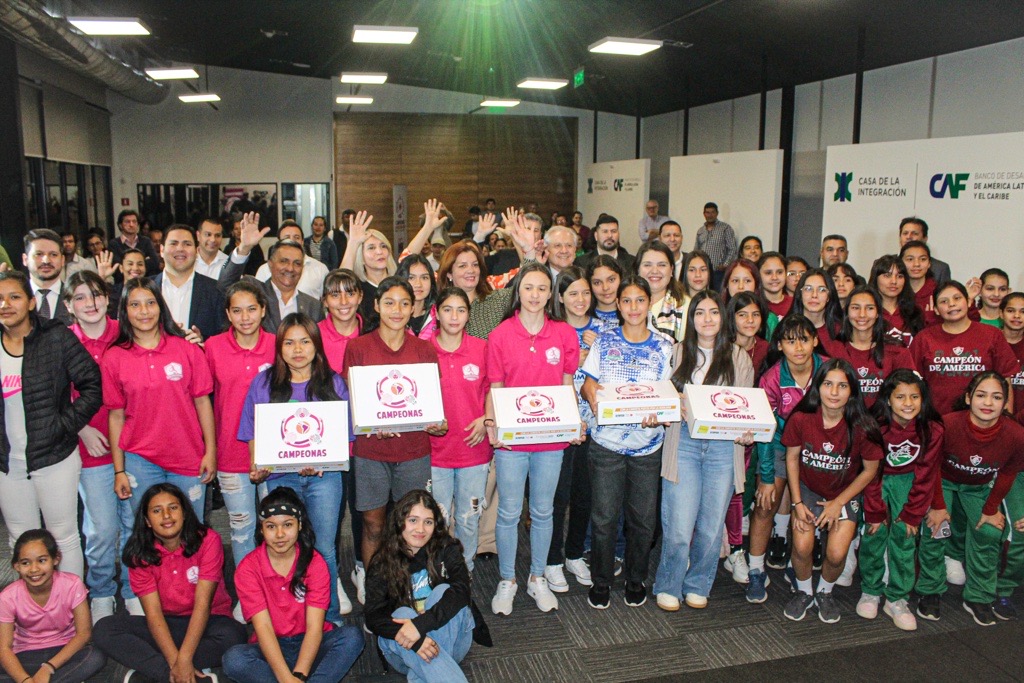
x,y
133,389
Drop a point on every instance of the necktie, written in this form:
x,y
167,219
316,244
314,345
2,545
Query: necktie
x,y
44,304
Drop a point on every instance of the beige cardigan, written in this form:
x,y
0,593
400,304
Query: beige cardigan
x,y
744,377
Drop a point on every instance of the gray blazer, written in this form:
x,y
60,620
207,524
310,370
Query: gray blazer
x,y
305,303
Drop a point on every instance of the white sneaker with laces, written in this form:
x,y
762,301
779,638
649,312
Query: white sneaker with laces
x,y
344,604
359,581
849,569
539,590
737,564
955,572
101,607
580,570
134,607
556,578
667,602
501,603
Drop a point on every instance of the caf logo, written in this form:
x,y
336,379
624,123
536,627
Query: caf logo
x,y
902,454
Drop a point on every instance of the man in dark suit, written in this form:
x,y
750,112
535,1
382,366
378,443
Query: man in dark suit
x,y
128,223
194,300
285,261
44,259
606,235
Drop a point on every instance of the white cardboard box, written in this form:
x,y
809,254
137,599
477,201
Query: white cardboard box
x,y
528,415
725,413
395,398
630,403
291,436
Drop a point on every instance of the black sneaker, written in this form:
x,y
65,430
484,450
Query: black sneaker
x,y
1004,609
819,553
928,607
796,608
635,595
828,608
599,597
777,555
982,613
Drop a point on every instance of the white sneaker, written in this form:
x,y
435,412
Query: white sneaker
x,y
618,565
134,607
955,572
556,578
580,570
101,607
344,604
501,603
901,615
695,601
867,606
359,581
737,564
669,603
849,569
236,613
210,676
538,590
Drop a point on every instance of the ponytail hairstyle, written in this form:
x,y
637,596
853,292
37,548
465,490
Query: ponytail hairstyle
x,y
965,404
720,370
857,417
279,375
878,336
833,312
913,319
140,549
392,560
928,416
790,327
284,501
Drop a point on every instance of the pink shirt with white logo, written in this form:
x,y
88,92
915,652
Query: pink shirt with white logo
x,y
260,588
176,577
157,389
35,627
97,348
464,388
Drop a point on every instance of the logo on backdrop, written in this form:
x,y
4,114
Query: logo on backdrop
x,y
395,390
617,185
948,183
535,404
843,182
302,429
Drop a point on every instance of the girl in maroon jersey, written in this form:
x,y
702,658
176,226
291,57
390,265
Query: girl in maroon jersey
x,y
889,277
817,299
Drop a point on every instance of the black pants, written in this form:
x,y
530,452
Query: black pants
x,y
85,663
349,479
127,640
572,494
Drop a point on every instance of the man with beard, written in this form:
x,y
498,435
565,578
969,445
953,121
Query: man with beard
x,y
606,236
45,261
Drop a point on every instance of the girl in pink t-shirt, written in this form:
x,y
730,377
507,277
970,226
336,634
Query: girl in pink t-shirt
x,y
176,567
44,619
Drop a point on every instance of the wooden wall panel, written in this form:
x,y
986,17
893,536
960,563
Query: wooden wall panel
x,y
460,159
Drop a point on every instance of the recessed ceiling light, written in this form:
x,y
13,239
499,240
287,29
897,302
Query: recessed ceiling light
x,y
172,73
374,79
200,97
354,100
494,102
106,26
396,35
625,46
544,83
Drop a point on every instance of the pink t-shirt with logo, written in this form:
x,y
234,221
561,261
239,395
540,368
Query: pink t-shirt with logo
x,y
97,348
38,627
261,588
176,577
464,388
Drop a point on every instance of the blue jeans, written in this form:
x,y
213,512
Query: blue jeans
x,y
322,497
106,525
461,490
142,474
240,500
453,640
339,650
693,516
543,468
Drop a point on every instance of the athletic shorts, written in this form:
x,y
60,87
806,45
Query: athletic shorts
x,y
377,482
850,511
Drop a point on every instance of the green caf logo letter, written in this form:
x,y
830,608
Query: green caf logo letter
x,y
955,183
843,181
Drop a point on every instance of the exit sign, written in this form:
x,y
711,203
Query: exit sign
x,y
577,78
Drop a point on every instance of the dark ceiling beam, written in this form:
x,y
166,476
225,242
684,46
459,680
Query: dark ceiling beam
x,y
764,100
786,121
858,89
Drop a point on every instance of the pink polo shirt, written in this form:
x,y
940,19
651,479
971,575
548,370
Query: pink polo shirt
x,y
463,390
335,342
97,348
260,588
157,388
174,580
233,369
38,627
556,353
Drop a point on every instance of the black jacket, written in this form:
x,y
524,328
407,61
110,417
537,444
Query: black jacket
x,y
207,308
379,607
624,258
53,360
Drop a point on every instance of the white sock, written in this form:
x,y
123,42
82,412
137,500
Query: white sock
x,y
757,562
825,586
782,525
805,585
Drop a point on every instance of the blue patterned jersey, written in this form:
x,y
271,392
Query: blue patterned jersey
x,y
586,414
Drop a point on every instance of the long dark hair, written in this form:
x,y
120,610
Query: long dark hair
x,y
913,319
833,313
564,280
878,336
631,281
964,404
403,272
739,302
602,261
720,370
675,288
857,417
746,265
690,258
140,549
126,335
286,496
513,301
321,379
882,410
790,327
392,560
97,285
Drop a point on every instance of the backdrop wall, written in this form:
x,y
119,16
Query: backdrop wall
x,y
619,188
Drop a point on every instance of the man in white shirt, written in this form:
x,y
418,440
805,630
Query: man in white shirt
x,y
194,300
313,272
211,258
651,222
45,261
73,261
560,243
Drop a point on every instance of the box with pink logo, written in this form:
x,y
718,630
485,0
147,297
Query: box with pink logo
x,y
725,413
528,415
630,403
395,398
291,436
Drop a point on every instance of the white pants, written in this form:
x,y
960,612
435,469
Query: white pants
x,y
53,492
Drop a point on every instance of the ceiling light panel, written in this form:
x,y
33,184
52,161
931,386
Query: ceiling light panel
x,y
200,97
544,83
393,35
109,26
633,47
368,78
172,73
495,102
354,100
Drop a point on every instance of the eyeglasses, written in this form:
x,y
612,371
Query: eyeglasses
x,y
795,273
810,289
